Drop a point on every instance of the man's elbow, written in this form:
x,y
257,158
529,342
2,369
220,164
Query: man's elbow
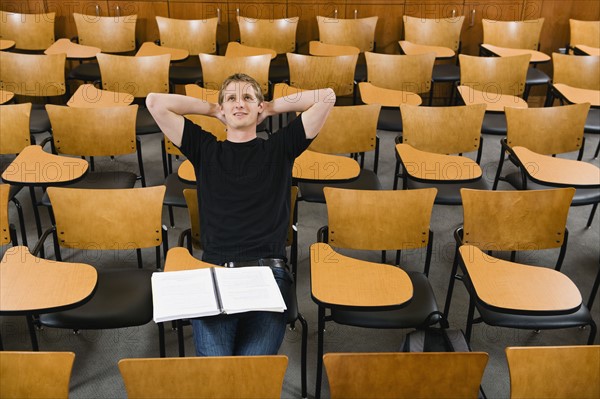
x,y
151,101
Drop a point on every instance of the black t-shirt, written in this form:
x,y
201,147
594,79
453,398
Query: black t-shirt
x,y
243,191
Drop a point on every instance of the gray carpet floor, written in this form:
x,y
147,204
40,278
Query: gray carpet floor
x,y
96,375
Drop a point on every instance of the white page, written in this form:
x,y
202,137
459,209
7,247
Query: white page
x,y
247,289
183,294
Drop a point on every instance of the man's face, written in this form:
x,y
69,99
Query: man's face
x,y
240,106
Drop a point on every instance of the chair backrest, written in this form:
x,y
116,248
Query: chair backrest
x,y
204,377
110,34
513,34
194,35
348,129
379,219
410,73
575,71
405,375
210,124
138,76
14,128
329,50
358,32
443,130
584,32
35,374
275,34
28,31
311,73
106,131
235,49
108,219
216,68
5,234
498,75
549,130
443,32
554,372
33,74
515,220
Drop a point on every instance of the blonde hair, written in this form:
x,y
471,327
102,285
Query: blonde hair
x,y
242,78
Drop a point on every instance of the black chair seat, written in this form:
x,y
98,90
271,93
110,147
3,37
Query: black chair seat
x,y
494,123
538,321
449,194
360,73
145,123
536,76
174,193
446,73
101,180
39,121
390,119
181,75
583,196
123,298
414,314
88,72
313,192
592,123
14,190
279,73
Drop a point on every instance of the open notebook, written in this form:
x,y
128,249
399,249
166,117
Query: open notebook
x,y
212,291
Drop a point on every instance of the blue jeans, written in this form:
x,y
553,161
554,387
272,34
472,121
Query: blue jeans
x,y
244,334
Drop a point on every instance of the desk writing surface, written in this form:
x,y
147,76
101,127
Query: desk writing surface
x,y
179,258
72,50
536,56
88,96
493,101
6,44
514,286
559,171
413,49
29,284
337,280
313,166
424,165
576,95
186,172
589,50
6,96
151,48
34,166
371,94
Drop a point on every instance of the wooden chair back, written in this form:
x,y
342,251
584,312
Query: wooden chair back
x,y
228,377
584,32
443,130
442,32
310,72
35,374
93,131
348,129
405,375
411,73
513,34
534,370
575,71
5,233
138,76
216,69
275,34
515,220
211,125
497,75
14,128
29,31
550,130
194,35
379,219
110,34
235,49
330,50
36,75
108,219
359,32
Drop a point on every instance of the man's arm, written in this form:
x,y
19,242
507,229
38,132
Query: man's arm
x,y
167,111
315,105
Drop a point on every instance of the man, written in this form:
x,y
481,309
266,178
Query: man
x,y
244,194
